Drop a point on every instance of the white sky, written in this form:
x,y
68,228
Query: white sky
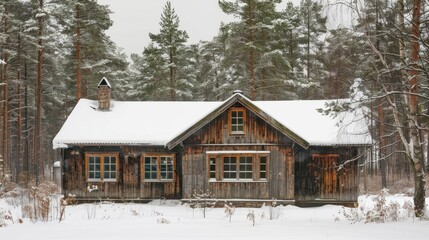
x,y
133,20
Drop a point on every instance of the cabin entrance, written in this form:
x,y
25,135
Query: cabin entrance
x,y
324,170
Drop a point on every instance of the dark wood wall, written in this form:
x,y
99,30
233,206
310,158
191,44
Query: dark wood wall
x,y
258,136
129,184
342,176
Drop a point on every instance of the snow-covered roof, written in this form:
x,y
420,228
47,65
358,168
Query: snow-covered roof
x,y
158,123
304,119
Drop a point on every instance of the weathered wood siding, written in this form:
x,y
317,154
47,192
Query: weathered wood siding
x,y
258,136
310,186
129,184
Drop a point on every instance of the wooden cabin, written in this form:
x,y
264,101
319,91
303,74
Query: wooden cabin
x,y
237,149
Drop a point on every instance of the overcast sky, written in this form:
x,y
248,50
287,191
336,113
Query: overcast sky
x,y
133,20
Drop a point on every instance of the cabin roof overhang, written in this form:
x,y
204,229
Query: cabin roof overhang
x,y
247,103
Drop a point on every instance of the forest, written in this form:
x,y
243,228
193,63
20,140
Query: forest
x,y
52,53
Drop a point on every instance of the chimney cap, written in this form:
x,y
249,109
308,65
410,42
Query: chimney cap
x,y
104,82
237,92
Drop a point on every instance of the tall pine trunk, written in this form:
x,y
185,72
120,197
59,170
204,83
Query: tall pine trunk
x,y
19,164
78,56
38,119
251,51
417,159
6,159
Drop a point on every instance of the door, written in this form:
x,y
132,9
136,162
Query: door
x,y
325,175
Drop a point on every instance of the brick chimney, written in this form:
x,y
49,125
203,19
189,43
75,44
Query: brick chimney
x,y
104,95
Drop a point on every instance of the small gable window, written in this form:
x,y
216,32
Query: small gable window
x,y
101,166
237,117
158,167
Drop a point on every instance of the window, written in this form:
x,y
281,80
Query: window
x,y
236,120
263,167
150,168
229,167
94,169
158,167
109,168
212,168
246,165
246,168
167,168
101,166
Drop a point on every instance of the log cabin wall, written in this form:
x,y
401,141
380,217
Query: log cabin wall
x,y
327,174
129,184
216,140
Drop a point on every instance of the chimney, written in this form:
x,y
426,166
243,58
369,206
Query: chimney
x,y
104,95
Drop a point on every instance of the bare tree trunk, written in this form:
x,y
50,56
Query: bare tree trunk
x,y
38,119
251,52
19,113
382,144
78,57
417,153
6,159
26,164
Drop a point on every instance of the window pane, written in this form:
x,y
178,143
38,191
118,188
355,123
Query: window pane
x,y
229,167
94,168
212,163
150,168
109,167
237,121
245,167
263,167
166,168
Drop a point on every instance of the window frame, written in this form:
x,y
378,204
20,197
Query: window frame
x,y
230,120
219,164
102,155
159,171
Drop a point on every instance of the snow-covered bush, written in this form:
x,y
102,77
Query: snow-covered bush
x,y
380,208
251,217
202,200
229,210
42,196
274,212
5,217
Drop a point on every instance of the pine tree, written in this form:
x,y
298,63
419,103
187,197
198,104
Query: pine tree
x,y
169,43
313,25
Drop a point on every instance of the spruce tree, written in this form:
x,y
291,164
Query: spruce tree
x,y
169,43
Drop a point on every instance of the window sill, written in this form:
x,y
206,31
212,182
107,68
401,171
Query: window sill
x,y
237,133
101,181
238,181
158,181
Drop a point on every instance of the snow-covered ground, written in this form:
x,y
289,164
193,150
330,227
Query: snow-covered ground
x,y
171,220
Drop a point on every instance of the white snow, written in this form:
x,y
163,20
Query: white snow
x,y
157,123
170,220
302,117
135,123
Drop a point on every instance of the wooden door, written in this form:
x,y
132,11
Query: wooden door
x,y
325,174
